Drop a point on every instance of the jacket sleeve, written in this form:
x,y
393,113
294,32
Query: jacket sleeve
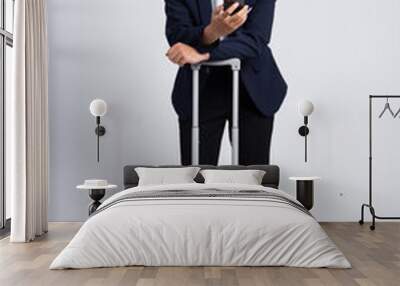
x,y
180,26
250,40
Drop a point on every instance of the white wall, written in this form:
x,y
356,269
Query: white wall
x,y
334,53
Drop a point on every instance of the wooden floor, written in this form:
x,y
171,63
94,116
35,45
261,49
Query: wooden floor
x,y
375,257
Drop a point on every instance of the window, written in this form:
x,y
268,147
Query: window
x,y
6,61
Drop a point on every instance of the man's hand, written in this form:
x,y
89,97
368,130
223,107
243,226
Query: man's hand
x,y
182,54
224,23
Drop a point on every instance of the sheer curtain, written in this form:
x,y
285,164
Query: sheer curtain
x,y
28,123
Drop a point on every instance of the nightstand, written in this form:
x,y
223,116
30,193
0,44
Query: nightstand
x,y
97,189
305,190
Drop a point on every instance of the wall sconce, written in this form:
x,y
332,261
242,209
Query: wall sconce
x,y
305,109
98,108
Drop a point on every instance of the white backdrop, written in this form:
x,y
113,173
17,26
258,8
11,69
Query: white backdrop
x,y
334,53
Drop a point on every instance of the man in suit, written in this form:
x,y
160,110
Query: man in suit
x,y
201,30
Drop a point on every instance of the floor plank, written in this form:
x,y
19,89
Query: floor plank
x,y
375,257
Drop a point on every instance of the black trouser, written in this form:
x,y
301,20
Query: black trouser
x,y
255,129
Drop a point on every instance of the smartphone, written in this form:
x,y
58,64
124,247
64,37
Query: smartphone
x,y
228,3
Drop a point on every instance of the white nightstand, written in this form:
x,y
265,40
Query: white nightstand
x,y
305,190
97,190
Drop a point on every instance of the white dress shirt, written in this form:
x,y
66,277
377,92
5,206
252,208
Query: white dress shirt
x,y
215,3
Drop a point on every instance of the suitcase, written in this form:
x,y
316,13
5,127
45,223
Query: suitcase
x,y
235,66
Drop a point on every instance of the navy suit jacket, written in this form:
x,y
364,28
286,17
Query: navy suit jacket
x,y
186,20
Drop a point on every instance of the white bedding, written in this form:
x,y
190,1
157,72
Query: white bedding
x,y
200,231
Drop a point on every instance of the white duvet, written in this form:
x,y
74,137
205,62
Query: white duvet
x,y
199,231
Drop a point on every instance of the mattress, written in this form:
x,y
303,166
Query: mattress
x,y
201,225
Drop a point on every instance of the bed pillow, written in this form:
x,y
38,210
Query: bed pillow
x,y
248,177
166,176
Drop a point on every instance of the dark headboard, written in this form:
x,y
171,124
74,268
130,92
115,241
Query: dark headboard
x,y
271,177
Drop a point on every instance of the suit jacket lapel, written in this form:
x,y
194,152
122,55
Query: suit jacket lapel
x,y
205,11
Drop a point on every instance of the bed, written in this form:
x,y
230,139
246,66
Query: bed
x,y
198,224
